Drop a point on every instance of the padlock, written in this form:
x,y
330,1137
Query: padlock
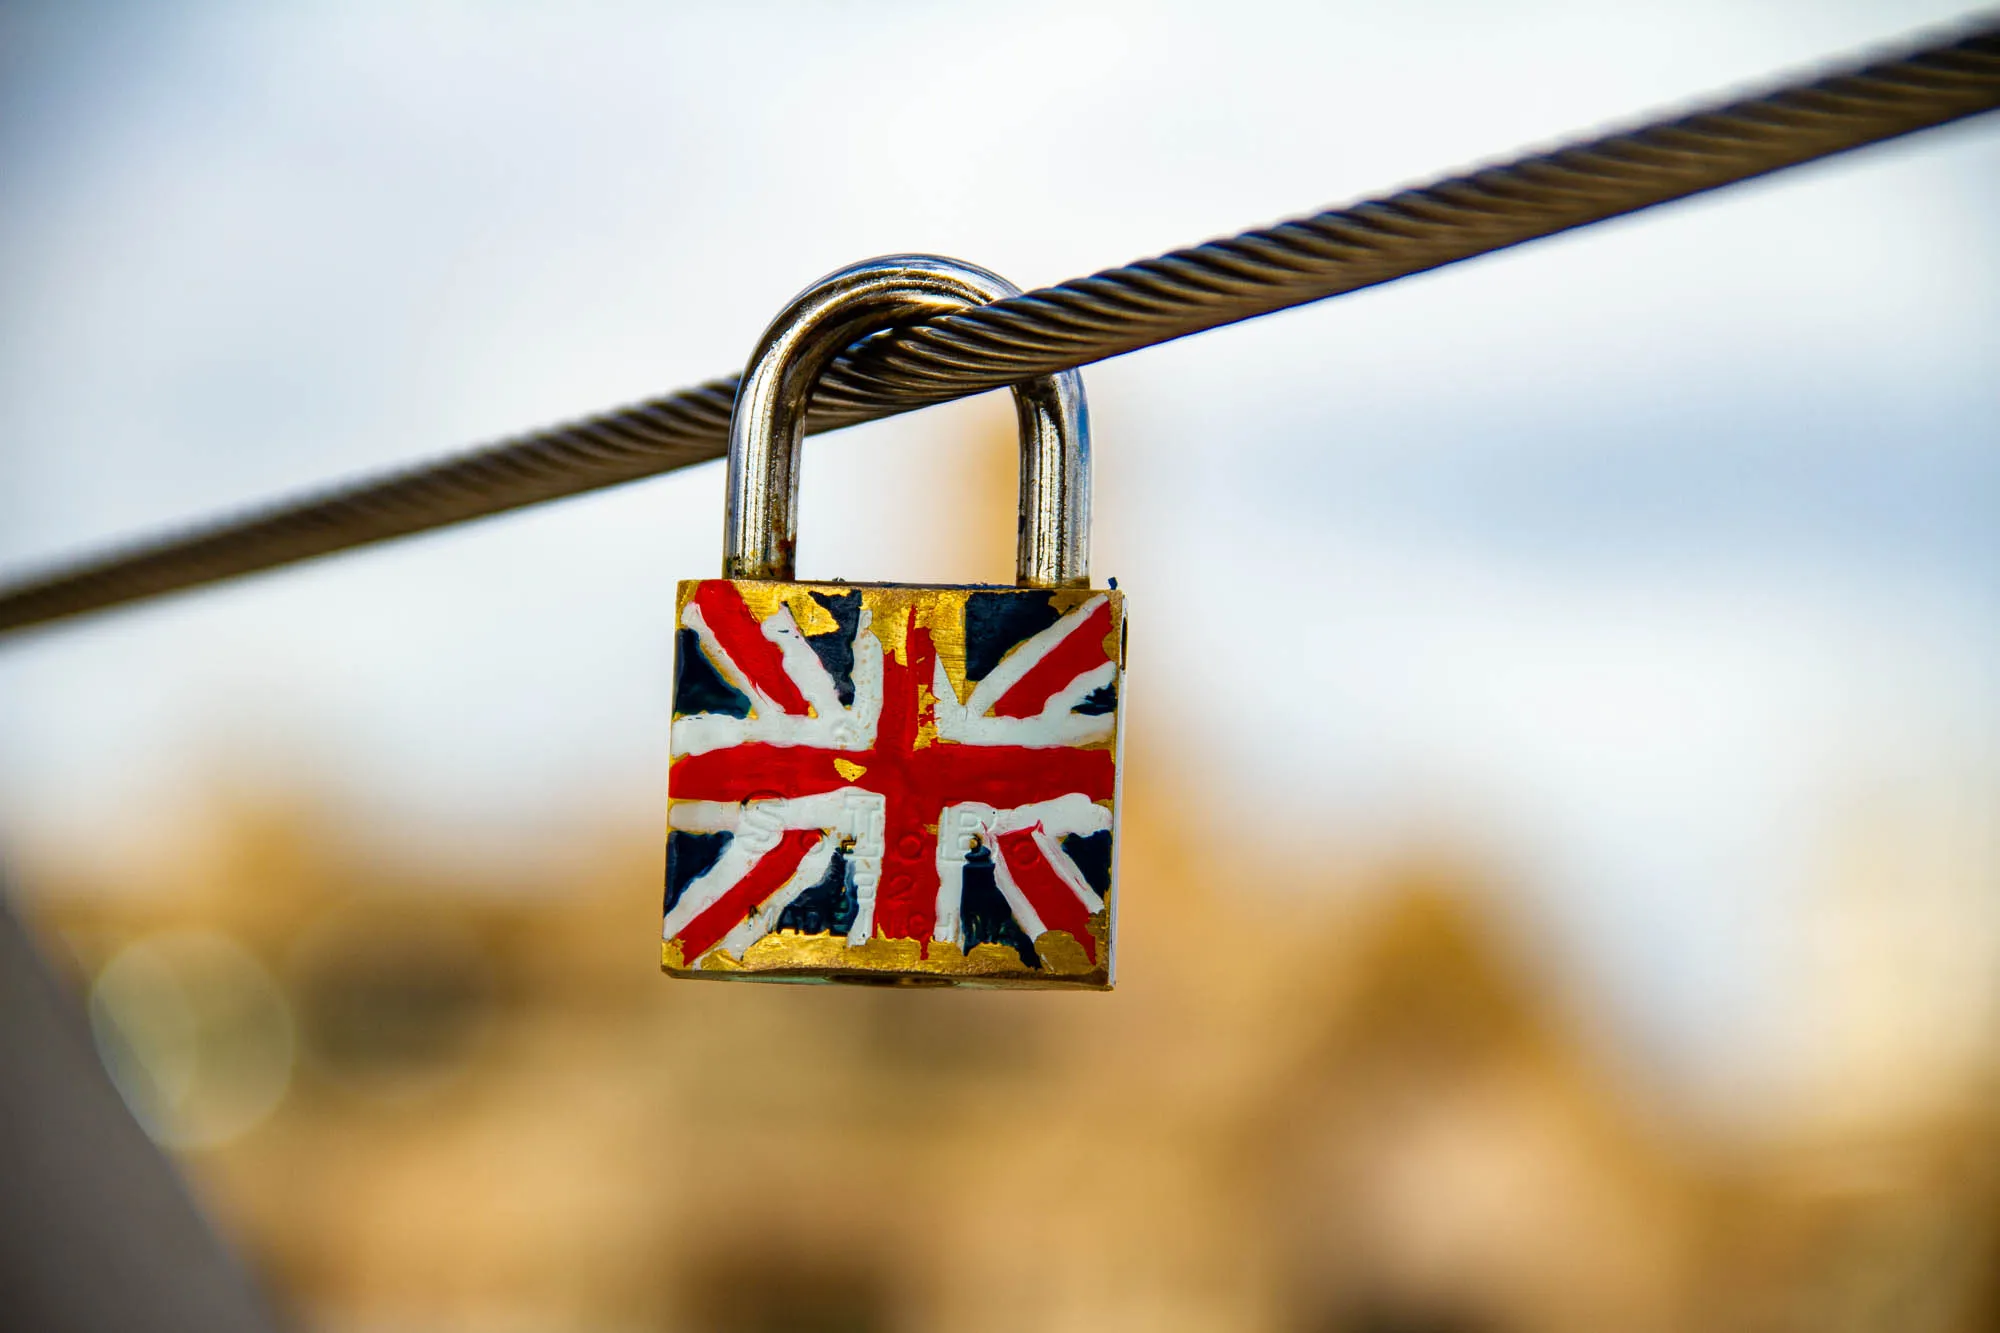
x,y
889,783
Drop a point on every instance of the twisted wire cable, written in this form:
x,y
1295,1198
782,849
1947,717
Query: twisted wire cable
x,y
1085,320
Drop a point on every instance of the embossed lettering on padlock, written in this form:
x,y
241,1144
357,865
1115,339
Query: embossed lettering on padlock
x,y
885,782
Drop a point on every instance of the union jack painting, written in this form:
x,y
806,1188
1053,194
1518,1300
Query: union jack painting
x,y
878,782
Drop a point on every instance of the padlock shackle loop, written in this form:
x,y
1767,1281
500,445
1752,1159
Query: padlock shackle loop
x,y
760,521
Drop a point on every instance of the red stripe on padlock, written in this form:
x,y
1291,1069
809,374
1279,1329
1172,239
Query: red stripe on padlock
x,y
763,879
1054,901
1080,650
742,638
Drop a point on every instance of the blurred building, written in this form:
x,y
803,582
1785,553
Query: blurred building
x,y
419,1103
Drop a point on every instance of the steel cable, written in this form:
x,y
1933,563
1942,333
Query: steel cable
x,y
1085,320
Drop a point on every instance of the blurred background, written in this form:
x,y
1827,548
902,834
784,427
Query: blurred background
x,y
1559,861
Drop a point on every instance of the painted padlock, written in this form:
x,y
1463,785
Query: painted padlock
x,y
890,783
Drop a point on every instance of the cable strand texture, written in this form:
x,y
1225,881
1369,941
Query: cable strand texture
x,y
1082,321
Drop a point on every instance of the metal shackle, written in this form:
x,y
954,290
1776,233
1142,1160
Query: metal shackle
x,y
760,522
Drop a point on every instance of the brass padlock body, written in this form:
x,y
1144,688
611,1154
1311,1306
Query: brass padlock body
x,y
891,783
